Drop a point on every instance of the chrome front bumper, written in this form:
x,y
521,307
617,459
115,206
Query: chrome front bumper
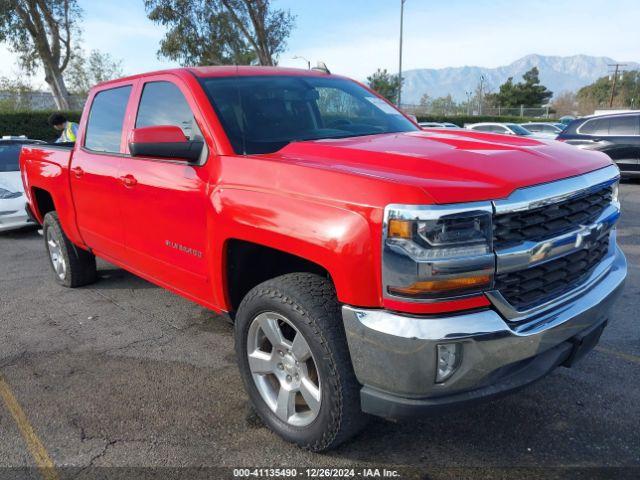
x,y
394,355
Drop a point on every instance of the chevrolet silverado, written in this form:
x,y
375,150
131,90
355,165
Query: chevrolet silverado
x,y
370,267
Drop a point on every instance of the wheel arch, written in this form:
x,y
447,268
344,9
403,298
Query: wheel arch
x,y
249,264
306,235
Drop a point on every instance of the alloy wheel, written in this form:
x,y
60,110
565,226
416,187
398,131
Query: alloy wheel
x,y
284,369
55,253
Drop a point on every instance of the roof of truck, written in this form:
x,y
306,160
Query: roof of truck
x,y
226,71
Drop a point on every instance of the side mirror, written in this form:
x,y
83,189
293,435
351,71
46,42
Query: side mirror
x,y
164,141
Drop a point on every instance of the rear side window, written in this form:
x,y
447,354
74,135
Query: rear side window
x,y
104,128
9,155
627,125
162,103
598,126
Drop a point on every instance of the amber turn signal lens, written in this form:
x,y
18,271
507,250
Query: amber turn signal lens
x,y
400,229
435,286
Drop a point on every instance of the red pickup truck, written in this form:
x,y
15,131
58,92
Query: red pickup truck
x,y
370,267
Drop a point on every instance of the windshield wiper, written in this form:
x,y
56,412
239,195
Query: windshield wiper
x,y
337,137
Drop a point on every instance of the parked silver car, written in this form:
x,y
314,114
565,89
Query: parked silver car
x,y
13,213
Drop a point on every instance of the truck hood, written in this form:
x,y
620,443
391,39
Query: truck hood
x,y
450,166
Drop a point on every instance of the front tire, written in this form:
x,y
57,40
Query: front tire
x,y
294,361
72,266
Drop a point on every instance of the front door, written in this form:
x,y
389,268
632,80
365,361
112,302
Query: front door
x,y
94,173
165,221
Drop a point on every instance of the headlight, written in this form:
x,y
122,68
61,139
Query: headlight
x,y
6,194
435,252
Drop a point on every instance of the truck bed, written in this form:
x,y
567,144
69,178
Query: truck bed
x,y
45,174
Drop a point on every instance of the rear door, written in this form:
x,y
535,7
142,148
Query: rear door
x,y
165,221
94,171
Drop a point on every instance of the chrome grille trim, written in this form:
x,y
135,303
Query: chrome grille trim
x,y
601,270
548,193
532,253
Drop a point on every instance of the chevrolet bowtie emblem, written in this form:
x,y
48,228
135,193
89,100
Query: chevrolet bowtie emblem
x,y
588,235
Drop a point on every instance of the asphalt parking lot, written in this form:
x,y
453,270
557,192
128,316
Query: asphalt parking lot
x,y
123,373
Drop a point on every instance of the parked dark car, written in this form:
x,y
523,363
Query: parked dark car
x,y
617,135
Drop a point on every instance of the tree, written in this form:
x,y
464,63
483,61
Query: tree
x,y
506,96
529,93
598,94
16,92
533,94
385,84
219,32
86,71
40,32
443,105
565,104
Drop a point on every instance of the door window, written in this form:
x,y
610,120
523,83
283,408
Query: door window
x,y
599,126
163,103
104,127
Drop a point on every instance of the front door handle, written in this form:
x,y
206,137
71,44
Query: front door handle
x,y
77,171
129,180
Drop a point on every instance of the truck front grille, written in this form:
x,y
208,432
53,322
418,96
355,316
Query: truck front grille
x,y
526,288
551,220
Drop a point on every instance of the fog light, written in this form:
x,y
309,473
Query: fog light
x,y
449,356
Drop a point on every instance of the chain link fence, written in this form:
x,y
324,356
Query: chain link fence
x,y
455,110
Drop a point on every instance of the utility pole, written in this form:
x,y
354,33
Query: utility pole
x,y
615,78
400,55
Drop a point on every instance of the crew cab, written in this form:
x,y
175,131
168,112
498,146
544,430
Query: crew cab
x,y
370,267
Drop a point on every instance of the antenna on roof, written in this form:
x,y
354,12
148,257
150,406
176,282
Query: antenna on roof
x,y
321,67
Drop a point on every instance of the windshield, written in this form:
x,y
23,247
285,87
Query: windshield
x,y
9,155
518,130
263,114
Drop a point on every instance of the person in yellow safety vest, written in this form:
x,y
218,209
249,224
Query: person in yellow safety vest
x,y
69,129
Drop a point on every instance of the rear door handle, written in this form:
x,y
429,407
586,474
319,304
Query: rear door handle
x,y
77,171
129,180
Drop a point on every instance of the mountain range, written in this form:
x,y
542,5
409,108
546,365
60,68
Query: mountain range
x,y
558,74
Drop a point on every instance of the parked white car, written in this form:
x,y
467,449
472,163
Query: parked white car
x,y
437,125
507,129
13,213
548,128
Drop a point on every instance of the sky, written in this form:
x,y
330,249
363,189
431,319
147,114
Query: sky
x,y
355,37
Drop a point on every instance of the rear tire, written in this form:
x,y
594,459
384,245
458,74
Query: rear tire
x,y
72,266
300,379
